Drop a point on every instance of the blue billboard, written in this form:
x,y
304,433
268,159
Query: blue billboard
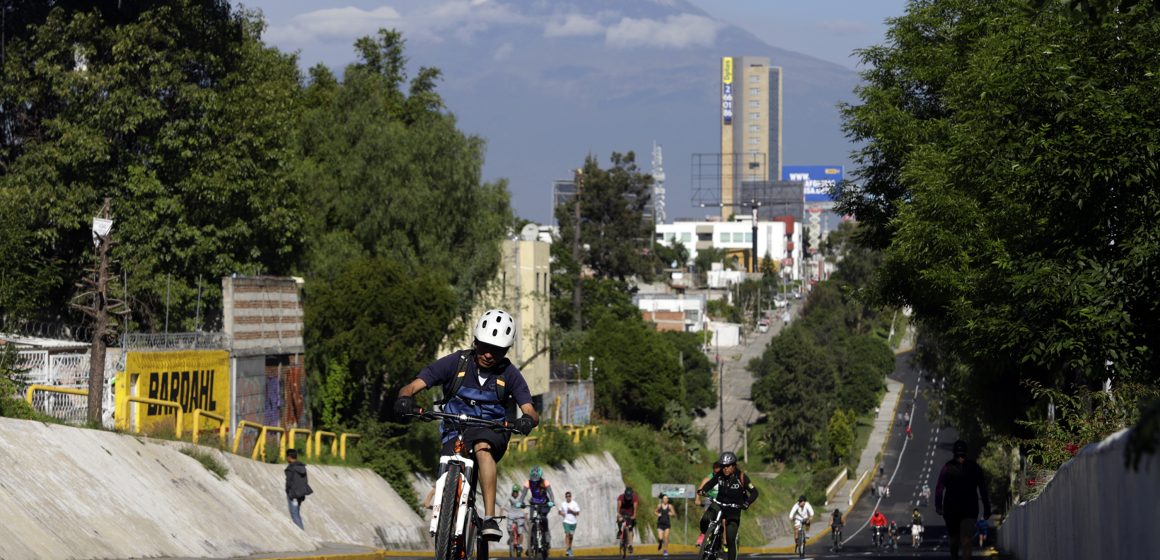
x,y
819,179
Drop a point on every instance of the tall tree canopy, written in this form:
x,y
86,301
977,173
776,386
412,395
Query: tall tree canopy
x,y
395,195
177,112
1008,171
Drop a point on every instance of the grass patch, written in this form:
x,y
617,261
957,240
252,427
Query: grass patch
x,y
208,459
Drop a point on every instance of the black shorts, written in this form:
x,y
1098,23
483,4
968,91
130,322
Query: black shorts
x,y
498,441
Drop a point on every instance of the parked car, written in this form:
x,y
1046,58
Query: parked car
x,y
763,326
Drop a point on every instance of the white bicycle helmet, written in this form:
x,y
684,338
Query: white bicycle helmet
x,y
496,328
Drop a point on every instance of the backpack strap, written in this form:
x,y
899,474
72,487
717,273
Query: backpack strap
x,y
461,374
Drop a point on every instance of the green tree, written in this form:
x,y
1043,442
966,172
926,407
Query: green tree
x,y
793,386
392,177
613,229
177,112
634,385
370,327
700,393
840,432
1006,171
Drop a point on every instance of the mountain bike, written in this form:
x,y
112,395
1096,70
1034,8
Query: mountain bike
x,y
456,523
715,533
835,538
514,547
799,540
878,536
623,533
539,541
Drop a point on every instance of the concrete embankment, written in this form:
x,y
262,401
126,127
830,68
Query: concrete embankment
x,y
71,493
1094,507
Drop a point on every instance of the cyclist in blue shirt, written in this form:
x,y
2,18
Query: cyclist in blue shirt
x,y
479,382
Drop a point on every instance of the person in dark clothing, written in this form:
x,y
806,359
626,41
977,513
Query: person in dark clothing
x,y
733,487
956,497
297,487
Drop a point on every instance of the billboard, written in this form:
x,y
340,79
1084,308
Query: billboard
x,y
727,90
191,378
818,179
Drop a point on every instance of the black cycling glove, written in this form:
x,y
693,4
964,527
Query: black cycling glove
x,y
524,424
404,406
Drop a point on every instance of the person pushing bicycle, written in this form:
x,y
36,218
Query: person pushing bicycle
x,y
478,383
733,487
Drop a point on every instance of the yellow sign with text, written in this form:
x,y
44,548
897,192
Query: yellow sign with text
x,y
727,70
194,379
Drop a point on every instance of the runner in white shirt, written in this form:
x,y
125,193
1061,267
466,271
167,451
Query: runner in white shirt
x,y
569,509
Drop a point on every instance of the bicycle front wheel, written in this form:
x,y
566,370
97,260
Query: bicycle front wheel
x,y
448,506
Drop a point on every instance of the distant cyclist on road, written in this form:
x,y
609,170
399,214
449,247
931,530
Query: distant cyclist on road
x,y
626,506
836,524
473,381
733,487
516,519
542,500
878,526
956,497
800,514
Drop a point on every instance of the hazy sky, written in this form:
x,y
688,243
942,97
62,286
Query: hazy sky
x,y
531,153
826,29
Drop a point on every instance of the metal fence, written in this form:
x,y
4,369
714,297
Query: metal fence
x,y
177,341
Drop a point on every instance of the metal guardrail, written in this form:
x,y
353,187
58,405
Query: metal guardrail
x,y
342,443
67,406
179,427
222,429
293,444
576,433
318,435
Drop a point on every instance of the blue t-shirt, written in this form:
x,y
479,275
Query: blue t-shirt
x,y
442,372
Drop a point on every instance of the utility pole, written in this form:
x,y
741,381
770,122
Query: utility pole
x,y
720,397
576,252
99,310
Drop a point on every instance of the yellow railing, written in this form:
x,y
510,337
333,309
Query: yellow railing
x,y
576,432
179,429
50,389
241,429
318,434
342,443
260,450
198,413
293,443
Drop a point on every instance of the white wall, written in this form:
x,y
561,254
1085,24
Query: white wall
x,y
78,493
1094,507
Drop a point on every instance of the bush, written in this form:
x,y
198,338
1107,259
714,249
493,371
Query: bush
x,y
208,460
554,445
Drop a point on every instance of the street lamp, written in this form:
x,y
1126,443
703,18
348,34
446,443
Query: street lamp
x,y
591,361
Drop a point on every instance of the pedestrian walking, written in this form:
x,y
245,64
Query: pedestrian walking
x,y
960,487
297,486
570,510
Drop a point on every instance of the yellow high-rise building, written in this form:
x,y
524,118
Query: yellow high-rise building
x,y
750,126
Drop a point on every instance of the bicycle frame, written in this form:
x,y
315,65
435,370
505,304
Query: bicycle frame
x,y
466,491
713,544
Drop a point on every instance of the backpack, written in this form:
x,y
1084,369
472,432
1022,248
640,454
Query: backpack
x,y
465,355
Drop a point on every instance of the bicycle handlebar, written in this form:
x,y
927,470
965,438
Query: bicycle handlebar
x,y
723,504
463,420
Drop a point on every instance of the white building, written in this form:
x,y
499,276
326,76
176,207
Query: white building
x,y
736,237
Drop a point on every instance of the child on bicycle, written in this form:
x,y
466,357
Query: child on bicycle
x,y
516,520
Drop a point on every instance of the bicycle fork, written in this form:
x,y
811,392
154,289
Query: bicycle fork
x,y
463,479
